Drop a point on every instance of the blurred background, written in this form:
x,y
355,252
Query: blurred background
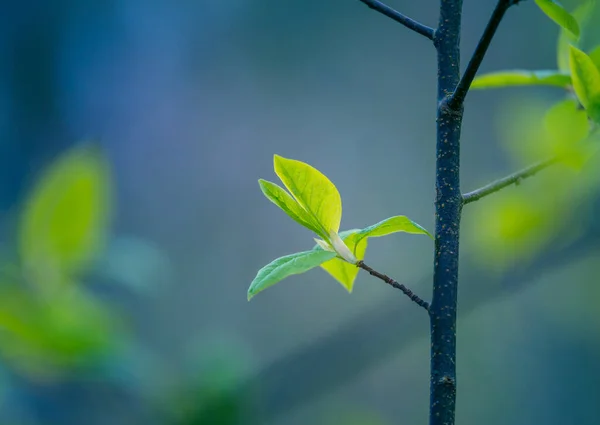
x,y
149,124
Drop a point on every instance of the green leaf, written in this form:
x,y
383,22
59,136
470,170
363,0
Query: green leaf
x,y
520,77
565,125
289,205
559,15
595,56
65,218
356,240
283,267
582,14
391,225
586,82
343,271
313,191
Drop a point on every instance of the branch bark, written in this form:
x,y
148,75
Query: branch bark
x,y
500,184
458,97
410,294
448,204
409,23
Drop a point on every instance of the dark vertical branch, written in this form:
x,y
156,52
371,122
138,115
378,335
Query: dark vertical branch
x,y
448,204
458,97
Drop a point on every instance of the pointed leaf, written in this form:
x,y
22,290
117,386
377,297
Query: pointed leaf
x,y
520,77
586,82
391,225
356,240
559,15
343,271
65,218
313,191
283,267
289,205
582,14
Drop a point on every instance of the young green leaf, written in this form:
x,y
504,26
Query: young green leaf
x,y
313,191
289,205
519,77
343,271
283,267
65,218
356,240
559,14
586,82
391,225
582,14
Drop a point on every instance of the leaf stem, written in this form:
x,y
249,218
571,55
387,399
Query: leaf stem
x,y
458,97
410,294
515,179
401,18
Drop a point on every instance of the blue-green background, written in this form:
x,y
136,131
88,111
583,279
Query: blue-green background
x,y
190,100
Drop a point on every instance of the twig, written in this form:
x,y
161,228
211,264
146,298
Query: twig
x,y
415,298
458,97
399,17
500,184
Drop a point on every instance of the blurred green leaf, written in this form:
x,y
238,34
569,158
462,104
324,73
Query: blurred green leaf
x,y
52,333
586,82
283,267
566,125
522,78
582,14
595,56
290,206
65,218
313,191
560,15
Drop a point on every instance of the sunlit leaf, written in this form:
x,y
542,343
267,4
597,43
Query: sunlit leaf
x,y
283,267
356,240
391,225
289,205
313,191
560,15
343,271
586,82
522,78
582,14
65,218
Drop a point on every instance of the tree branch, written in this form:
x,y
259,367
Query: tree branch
x,y
458,97
399,17
415,298
500,184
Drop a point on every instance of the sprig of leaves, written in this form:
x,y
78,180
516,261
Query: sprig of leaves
x,y
314,202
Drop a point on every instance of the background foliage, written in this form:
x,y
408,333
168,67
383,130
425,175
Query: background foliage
x,y
186,102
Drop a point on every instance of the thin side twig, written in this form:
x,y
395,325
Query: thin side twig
x,y
409,23
500,184
410,294
458,97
